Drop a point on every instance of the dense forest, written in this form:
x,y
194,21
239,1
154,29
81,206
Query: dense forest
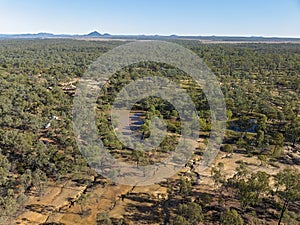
x,y
261,86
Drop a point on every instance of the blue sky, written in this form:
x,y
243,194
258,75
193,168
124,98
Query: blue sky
x,y
165,17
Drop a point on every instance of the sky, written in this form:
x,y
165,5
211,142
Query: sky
x,y
269,18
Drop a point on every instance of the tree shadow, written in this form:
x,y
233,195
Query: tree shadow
x,y
42,209
144,214
140,197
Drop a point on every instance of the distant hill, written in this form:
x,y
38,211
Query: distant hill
x,y
96,34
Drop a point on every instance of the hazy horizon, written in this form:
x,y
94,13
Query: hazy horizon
x,y
270,18
182,35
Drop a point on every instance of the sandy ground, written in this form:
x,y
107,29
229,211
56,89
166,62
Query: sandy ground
x,y
39,209
55,205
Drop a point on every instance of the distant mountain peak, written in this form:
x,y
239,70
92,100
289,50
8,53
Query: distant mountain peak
x,y
94,34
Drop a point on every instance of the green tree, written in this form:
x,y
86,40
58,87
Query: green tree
x,y
250,190
26,179
39,181
263,159
227,148
231,217
138,156
217,174
278,142
185,186
180,220
191,211
287,183
21,200
293,131
262,123
4,168
8,206
260,137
